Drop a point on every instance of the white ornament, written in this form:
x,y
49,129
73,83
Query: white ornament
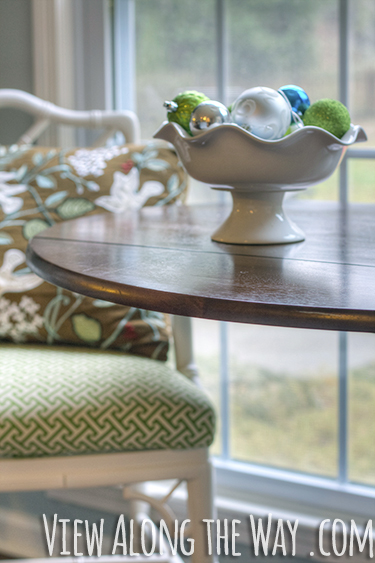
x,y
262,111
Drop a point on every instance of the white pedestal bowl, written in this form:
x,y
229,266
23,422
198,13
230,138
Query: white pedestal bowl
x,y
258,172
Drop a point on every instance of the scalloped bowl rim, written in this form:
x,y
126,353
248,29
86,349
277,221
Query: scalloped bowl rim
x,y
356,134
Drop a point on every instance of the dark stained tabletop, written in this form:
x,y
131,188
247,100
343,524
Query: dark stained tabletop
x,y
163,259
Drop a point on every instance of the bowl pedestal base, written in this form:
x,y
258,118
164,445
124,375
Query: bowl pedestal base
x,y
257,218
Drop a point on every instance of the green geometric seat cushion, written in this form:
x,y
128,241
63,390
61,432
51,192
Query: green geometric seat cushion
x,y
68,401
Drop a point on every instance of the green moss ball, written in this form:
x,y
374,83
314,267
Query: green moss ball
x,y
187,102
330,115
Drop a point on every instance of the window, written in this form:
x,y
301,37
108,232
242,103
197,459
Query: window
x,y
296,406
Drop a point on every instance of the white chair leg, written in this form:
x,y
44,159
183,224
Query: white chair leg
x,y
183,346
201,506
139,510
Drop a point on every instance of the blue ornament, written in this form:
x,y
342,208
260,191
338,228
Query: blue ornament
x,y
297,97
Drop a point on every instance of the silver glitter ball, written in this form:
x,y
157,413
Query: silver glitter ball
x,y
206,115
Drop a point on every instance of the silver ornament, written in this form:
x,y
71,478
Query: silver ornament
x,y
263,111
171,106
207,115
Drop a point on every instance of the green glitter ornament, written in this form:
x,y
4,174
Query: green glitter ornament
x,y
330,115
180,108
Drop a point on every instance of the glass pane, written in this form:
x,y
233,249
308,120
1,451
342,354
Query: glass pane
x,y
284,397
362,68
282,42
175,51
361,362
361,180
207,357
327,190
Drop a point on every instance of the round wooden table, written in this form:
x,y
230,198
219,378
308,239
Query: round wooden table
x,y
163,259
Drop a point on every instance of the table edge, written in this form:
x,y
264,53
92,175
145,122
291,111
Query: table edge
x,y
292,316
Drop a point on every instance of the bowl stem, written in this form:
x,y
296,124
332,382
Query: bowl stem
x,y
258,218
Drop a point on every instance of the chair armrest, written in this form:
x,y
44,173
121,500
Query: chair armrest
x,y
125,121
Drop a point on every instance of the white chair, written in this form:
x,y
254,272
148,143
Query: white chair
x,y
25,473
46,113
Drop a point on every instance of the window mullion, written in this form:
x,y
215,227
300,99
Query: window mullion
x,y
343,408
344,86
124,54
343,340
361,153
221,46
224,391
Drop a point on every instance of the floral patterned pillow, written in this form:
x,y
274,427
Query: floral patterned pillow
x,y
42,186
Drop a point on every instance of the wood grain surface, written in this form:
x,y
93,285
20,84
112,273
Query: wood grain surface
x,y
163,259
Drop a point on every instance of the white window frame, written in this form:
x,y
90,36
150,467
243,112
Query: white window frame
x,y
52,61
72,54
